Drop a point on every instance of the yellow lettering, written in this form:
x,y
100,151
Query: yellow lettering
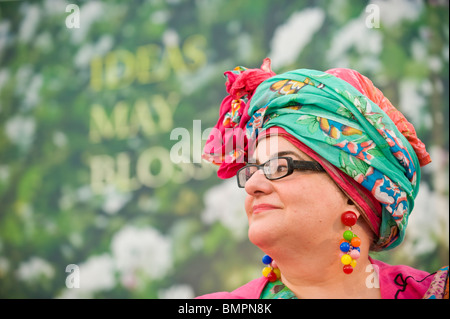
x,y
172,101
96,82
141,117
149,70
120,115
100,125
123,180
194,50
119,69
175,59
106,171
102,172
156,156
203,171
153,168
149,64
164,113
182,173
124,122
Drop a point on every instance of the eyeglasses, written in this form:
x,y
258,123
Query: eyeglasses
x,y
276,168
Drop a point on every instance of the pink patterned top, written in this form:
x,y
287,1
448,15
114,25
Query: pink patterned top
x,y
396,282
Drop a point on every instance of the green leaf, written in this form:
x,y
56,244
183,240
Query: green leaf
x,y
313,127
375,152
306,119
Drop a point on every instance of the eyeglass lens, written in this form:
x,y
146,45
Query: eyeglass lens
x,y
274,168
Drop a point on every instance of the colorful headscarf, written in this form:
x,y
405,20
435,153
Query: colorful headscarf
x,y
340,115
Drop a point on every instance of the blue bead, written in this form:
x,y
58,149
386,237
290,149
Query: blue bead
x,y
345,247
357,248
266,259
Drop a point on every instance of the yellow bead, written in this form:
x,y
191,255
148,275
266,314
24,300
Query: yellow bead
x,y
277,272
353,263
266,271
346,259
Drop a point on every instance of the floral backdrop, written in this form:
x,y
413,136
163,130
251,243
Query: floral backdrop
x,y
104,109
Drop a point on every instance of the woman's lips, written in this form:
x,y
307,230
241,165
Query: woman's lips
x,y
263,207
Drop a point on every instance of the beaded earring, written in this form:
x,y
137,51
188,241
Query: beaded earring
x,y
350,243
271,270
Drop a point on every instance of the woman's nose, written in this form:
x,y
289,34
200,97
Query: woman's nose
x,y
258,183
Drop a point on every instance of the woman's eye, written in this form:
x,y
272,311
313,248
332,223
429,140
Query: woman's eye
x,y
281,168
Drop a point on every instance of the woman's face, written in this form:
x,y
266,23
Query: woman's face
x,y
301,210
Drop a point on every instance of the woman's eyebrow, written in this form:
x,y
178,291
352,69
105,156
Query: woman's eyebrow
x,y
284,153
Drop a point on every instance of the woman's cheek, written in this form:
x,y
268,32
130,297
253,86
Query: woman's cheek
x,y
248,205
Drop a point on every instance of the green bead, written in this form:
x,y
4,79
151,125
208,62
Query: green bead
x,y
348,235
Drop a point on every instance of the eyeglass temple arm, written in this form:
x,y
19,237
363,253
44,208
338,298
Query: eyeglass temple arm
x,y
313,166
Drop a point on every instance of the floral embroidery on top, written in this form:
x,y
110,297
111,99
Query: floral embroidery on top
x,y
439,286
277,290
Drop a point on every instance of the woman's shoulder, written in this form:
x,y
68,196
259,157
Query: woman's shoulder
x,y
251,290
405,282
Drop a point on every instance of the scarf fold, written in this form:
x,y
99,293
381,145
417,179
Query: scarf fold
x,y
341,116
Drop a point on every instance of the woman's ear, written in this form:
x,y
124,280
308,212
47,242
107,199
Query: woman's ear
x,y
352,207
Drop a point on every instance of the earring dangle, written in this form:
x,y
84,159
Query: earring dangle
x,y
271,270
350,243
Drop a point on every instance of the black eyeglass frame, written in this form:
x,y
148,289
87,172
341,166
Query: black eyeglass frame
x,y
291,165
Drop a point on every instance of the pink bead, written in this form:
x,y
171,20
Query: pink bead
x,y
274,264
341,254
354,254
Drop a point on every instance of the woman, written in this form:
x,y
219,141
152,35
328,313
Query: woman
x,y
331,170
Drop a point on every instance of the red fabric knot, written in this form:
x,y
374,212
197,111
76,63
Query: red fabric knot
x,y
246,82
227,144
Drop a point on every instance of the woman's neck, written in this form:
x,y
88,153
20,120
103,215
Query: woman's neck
x,y
319,277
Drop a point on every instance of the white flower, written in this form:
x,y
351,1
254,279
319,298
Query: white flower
x,y
29,23
355,35
115,200
141,250
34,269
96,274
428,222
393,12
177,292
90,12
20,130
225,203
295,34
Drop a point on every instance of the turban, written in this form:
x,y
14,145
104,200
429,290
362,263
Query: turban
x,y
339,115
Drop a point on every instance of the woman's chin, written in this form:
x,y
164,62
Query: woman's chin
x,y
261,234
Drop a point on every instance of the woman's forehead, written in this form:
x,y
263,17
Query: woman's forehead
x,y
274,146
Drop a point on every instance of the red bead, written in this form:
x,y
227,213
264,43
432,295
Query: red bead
x,y
272,276
348,269
349,218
